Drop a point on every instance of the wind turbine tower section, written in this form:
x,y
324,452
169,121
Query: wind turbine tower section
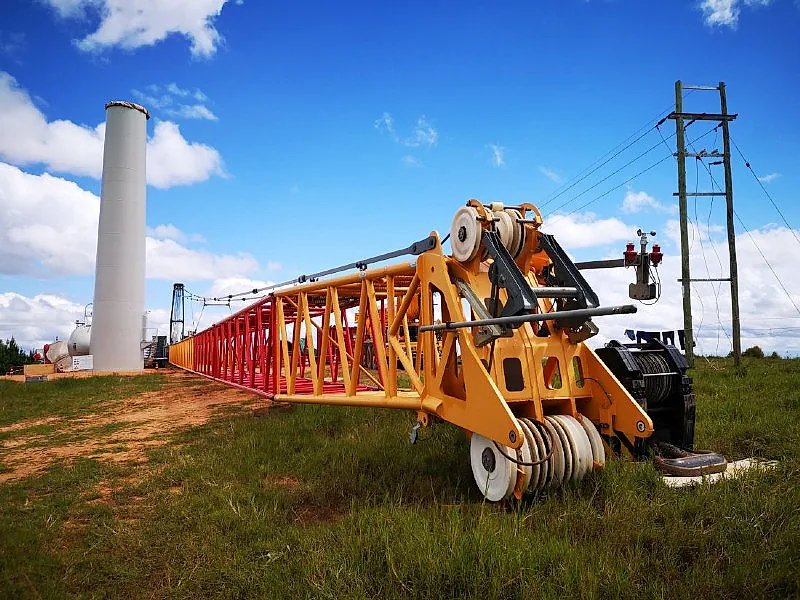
x,y
120,269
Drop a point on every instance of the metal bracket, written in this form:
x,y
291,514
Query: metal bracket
x,y
414,435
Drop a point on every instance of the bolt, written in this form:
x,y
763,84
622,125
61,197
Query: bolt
x,y
640,426
462,233
512,435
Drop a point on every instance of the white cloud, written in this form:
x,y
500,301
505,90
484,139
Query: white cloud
x,y
195,111
726,12
385,124
171,160
38,320
586,230
223,286
28,138
410,161
696,233
131,24
170,232
35,321
551,175
768,318
65,147
169,101
423,133
48,227
638,201
498,152
167,259
769,178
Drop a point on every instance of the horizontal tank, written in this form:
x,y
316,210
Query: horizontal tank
x,y
78,344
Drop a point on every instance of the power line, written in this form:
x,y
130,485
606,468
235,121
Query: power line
x,y
607,192
577,181
752,239
764,189
715,287
659,119
606,178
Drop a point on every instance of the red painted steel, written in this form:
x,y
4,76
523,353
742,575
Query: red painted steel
x,y
242,351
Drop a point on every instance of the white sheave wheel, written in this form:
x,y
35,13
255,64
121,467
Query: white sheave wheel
x,y
494,474
465,234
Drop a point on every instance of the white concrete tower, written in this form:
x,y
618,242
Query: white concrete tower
x,y
120,269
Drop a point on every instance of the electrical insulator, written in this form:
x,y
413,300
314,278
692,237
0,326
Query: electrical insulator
x,y
630,255
656,255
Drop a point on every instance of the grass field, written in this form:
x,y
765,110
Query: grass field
x,y
246,500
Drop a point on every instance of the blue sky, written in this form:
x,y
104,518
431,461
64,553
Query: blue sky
x,y
298,136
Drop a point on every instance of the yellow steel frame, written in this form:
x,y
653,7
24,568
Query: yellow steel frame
x,y
450,378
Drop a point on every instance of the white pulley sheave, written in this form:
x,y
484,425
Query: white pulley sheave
x,y
557,451
494,474
465,234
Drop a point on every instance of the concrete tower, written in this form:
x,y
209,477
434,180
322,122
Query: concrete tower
x,y
120,270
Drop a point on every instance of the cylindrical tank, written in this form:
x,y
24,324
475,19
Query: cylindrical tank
x,y
79,341
58,355
120,270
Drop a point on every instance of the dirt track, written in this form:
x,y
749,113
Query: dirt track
x,y
120,431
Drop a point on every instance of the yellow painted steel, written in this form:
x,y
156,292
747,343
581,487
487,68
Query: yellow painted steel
x,y
446,376
182,354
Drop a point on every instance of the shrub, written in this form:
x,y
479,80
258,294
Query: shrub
x,y
754,352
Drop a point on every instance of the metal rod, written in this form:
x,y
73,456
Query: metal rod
x,y
708,88
416,249
624,309
555,292
659,374
601,264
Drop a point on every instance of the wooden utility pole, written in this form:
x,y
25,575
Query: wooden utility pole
x,y
734,271
680,131
688,334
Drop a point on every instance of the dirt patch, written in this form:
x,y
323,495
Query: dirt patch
x,y
286,482
122,432
28,424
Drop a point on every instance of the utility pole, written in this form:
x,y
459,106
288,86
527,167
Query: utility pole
x,y
734,271
688,334
680,130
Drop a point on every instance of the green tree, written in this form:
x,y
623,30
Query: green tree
x,y
754,352
11,355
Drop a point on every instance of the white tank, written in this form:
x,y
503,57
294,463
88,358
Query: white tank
x,y
120,270
58,354
78,344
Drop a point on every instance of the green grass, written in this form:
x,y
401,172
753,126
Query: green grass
x,y
68,397
326,502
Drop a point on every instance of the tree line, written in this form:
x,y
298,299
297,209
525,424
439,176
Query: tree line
x,y
11,355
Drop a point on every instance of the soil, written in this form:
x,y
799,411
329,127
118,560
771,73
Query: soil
x,y
141,422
